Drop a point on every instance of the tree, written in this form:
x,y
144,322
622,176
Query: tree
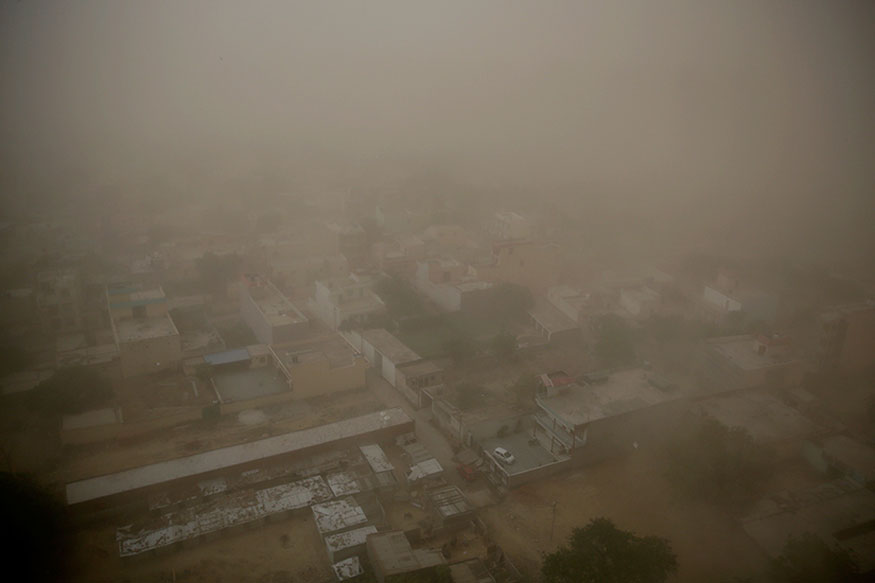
x,y
460,347
807,559
718,464
614,345
401,299
504,345
217,271
510,302
602,553
71,390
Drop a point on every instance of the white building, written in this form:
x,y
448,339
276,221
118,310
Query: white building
x,y
349,299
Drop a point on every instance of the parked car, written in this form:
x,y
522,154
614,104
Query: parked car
x,y
503,455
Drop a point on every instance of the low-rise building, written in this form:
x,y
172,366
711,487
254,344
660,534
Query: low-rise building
x,y
748,361
448,283
321,367
147,339
594,421
552,324
271,316
402,368
390,554
506,225
523,262
347,302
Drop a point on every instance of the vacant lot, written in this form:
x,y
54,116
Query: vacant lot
x,y
632,492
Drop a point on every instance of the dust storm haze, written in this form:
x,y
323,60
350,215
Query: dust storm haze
x,y
516,197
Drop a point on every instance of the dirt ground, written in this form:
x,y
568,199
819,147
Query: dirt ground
x,y
710,544
259,556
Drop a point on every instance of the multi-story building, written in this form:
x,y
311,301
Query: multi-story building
x,y
347,301
271,316
146,337
847,338
448,284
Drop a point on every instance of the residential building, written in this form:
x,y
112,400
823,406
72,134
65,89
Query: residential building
x,y
552,324
390,554
728,298
526,263
147,339
640,303
271,316
749,361
415,378
609,417
321,367
847,338
348,301
506,225
448,284
570,301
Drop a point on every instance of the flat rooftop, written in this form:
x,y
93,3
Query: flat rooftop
x,y
334,349
529,455
227,457
337,515
766,418
422,367
145,329
250,383
389,346
740,350
623,392
550,317
277,309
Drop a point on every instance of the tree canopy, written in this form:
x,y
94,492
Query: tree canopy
x,y
400,298
504,345
71,390
510,302
614,342
602,553
807,559
715,463
217,271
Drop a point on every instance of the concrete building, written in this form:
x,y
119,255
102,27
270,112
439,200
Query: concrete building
x,y
506,225
742,362
321,367
727,297
271,316
570,301
390,554
526,263
552,324
146,337
765,418
640,303
59,300
402,368
448,283
595,421
847,338
349,301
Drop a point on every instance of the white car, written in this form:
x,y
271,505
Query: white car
x,y
503,455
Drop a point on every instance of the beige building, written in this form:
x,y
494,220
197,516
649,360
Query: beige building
x,y
532,265
272,317
349,299
146,337
749,361
320,368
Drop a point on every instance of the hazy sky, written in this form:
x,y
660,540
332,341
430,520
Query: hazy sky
x,y
674,101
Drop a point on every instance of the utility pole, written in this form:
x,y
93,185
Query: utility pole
x,y
553,521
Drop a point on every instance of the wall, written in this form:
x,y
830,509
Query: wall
x,y
720,301
254,318
316,377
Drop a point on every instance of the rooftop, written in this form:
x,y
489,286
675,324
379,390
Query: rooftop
x,y
529,454
347,568
392,553
274,306
389,346
422,367
449,502
336,515
334,349
376,458
350,538
226,457
551,318
766,418
741,351
144,329
622,392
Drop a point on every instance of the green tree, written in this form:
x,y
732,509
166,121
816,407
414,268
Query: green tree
x,y
614,343
807,559
602,553
400,298
460,347
718,464
510,302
